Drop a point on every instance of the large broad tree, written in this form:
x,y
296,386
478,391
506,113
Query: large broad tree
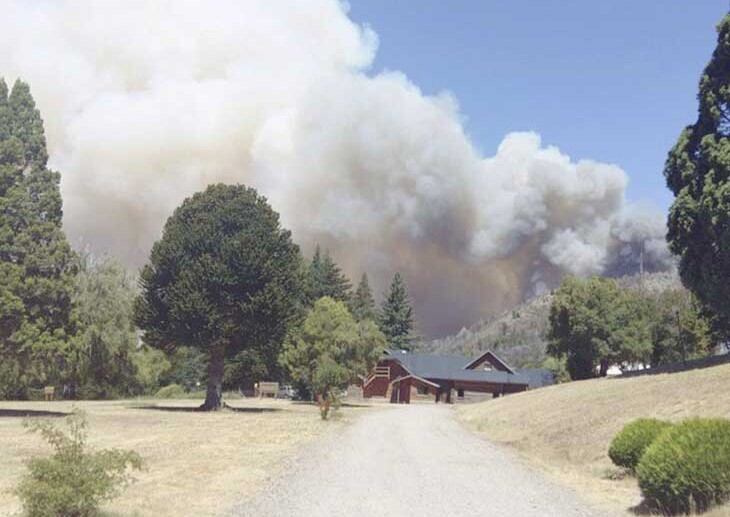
x,y
37,265
593,324
331,350
396,315
362,304
698,173
326,278
224,277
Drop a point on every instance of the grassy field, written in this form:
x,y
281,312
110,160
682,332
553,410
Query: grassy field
x,y
566,429
197,463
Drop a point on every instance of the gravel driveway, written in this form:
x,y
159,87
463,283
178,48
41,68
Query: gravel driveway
x,y
411,460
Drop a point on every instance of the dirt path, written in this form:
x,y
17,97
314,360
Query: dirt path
x,y
411,460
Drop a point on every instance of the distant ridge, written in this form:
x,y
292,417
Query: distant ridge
x,y
517,335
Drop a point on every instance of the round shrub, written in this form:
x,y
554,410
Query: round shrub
x,y
171,391
629,444
687,468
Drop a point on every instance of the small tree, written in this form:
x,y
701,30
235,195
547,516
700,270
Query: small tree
x,y
73,481
328,379
396,315
223,278
331,350
362,303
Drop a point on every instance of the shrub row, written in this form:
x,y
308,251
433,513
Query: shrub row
x,y
680,468
629,445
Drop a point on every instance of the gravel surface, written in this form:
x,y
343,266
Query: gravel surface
x,y
411,460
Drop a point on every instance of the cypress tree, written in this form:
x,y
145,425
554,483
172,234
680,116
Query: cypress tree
x,y
362,304
396,315
698,173
36,263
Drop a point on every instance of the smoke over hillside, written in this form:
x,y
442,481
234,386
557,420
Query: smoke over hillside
x,y
146,103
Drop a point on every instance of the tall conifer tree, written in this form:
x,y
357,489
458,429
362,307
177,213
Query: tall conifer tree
x,y
362,304
698,173
327,279
36,262
396,315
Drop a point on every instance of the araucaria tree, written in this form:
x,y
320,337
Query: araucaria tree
x,y
396,316
37,265
331,350
225,277
698,173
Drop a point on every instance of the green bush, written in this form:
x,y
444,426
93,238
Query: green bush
x,y
73,481
171,391
629,444
687,468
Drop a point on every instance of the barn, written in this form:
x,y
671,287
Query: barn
x,y
399,374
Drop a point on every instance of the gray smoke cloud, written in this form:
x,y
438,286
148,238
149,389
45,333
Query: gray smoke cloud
x,y
148,102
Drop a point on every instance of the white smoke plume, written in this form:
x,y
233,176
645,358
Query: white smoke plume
x,y
147,102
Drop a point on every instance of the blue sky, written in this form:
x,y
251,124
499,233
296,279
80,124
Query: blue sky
x,y
614,81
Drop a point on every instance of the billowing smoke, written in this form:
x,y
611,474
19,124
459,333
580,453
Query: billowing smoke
x,y
148,102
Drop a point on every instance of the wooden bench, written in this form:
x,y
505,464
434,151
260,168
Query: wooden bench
x,y
268,388
49,393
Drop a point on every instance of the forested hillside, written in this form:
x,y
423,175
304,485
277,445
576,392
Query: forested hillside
x,y
518,335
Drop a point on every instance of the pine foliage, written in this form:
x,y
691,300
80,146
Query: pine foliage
x,y
327,279
362,303
396,316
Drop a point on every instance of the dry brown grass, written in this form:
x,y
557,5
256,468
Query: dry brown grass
x,y
566,429
197,463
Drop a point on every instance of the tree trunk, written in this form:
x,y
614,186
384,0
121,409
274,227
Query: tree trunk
x,y
324,404
603,368
214,392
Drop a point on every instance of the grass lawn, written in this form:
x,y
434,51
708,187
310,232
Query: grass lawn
x,y
197,463
566,429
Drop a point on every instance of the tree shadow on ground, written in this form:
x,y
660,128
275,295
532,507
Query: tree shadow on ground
x,y
22,413
197,409
647,508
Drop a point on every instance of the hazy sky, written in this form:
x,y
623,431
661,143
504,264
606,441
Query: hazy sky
x,y
614,81
482,152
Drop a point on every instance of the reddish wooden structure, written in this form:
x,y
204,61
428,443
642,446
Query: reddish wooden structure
x,y
398,373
